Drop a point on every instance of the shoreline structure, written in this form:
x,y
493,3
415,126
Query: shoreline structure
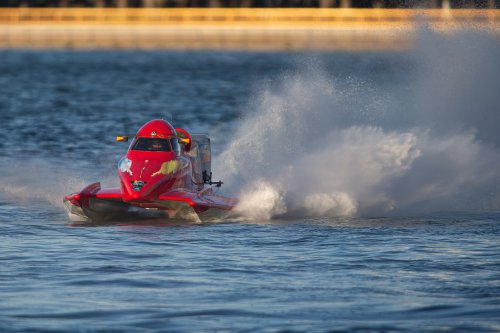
x,y
275,29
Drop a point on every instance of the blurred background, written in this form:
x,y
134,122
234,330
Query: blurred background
x,y
339,25
257,3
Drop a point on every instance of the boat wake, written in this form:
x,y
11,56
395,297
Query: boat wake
x,y
43,180
317,144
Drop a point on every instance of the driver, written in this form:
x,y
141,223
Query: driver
x,y
157,145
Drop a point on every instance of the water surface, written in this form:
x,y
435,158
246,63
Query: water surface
x,y
323,270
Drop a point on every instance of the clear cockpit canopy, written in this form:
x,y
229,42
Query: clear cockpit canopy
x,y
156,144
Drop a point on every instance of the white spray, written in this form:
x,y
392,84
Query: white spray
x,y
316,146
32,179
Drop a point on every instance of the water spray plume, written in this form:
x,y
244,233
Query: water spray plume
x,y
317,145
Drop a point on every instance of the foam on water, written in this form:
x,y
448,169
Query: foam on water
x,y
316,145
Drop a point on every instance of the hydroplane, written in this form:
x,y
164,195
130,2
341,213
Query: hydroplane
x,y
166,170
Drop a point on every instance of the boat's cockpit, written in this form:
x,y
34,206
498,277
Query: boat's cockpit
x,y
156,144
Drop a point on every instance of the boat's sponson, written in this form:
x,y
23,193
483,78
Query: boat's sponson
x,y
96,204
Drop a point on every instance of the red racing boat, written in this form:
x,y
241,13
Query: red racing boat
x,y
166,170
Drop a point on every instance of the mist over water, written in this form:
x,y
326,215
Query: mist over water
x,y
317,144
48,181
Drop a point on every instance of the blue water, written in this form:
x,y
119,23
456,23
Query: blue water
x,y
387,275
424,267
